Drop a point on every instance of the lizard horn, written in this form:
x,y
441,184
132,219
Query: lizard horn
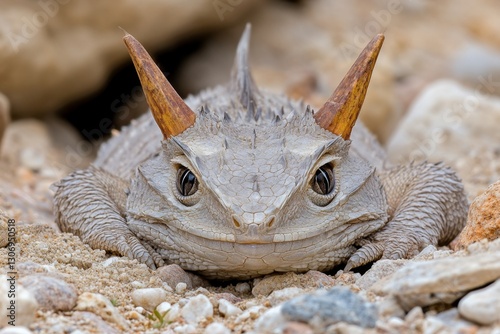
x,y
170,112
338,115
241,78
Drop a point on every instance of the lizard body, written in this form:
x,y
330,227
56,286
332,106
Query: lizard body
x,y
256,183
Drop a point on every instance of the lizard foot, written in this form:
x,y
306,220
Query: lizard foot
x,y
384,245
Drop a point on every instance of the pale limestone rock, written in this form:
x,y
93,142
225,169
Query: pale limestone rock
x,y
55,51
149,298
271,321
454,124
101,306
482,306
216,328
164,307
280,296
441,280
379,270
15,330
227,309
25,303
198,308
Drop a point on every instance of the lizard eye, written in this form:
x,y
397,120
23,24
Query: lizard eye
x,y
187,183
323,181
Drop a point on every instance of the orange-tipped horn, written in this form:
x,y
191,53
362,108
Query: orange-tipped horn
x,y
339,114
171,113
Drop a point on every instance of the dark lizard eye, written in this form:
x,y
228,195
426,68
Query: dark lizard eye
x,y
323,181
187,184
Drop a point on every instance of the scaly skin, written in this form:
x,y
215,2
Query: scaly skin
x,y
255,156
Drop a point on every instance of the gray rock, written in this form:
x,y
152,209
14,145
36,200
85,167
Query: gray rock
x,y
330,307
173,274
441,280
482,306
52,294
148,298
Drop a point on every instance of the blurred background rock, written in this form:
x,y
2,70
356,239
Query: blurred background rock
x,y
64,63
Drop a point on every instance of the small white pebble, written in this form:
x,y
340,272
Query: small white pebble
x,y
216,328
148,298
139,309
164,307
137,285
183,301
180,288
197,309
173,314
227,309
242,287
185,329
167,287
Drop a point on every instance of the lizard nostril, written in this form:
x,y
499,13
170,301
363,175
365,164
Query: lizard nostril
x,y
236,222
270,222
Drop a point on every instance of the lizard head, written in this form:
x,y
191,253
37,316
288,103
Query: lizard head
x,y
248,182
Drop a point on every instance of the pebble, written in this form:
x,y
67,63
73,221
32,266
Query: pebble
x,y
4,236
148,298
268,284
252,312
52,294
270,322
329,307
197,309
227,309
185,329
243,287
15,330
98,324
216,328
26,304
482,306
483,221
173,314
280,296
441,280
343,328
180,288
173,274
294,327
101,306
163,308
228,296
389,307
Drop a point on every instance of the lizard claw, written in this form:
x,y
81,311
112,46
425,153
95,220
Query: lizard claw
x,y
143,253
368,253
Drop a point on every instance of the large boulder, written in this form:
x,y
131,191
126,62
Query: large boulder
x,y
57,51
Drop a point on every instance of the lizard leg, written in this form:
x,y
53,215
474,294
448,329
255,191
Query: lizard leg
x,y
91,203
427,206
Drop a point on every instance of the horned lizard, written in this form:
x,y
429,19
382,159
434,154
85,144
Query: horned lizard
x,y
237,182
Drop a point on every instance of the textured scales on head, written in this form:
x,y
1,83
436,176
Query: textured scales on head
x,y
251,182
